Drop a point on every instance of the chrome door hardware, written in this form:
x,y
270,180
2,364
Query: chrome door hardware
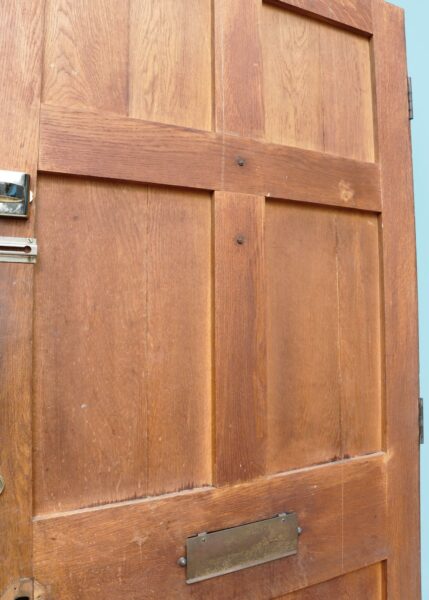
x,y
14,194
228,550
18,250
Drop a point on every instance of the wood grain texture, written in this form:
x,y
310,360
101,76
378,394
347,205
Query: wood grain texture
x,y
86,54
400,310
240,352
170,73
179,339
364,584
20,67
348,14
150,535
323,332
122,401
239,104
317,84
361,370
83,143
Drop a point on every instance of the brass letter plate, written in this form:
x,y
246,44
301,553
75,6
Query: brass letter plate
x,y
229,550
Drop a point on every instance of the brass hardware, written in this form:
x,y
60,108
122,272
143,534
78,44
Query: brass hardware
x,y
15,195
217,553
18,250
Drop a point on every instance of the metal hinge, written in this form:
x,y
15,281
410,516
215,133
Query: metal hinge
x,y
410,99
421,422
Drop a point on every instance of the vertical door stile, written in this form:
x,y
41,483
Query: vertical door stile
x,y
400,302
240,328
20,66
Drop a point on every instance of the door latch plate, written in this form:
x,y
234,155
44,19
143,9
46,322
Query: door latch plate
x,y
228,550
14,194
18,250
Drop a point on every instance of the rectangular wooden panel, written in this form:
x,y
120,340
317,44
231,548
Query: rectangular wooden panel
x,y
365,584
399,278
86,54
240,352
20,68
320,497
170,72
122,349
84,143
324,371
317,85
349,14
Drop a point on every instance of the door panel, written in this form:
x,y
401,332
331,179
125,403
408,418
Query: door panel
x,y
324,372
122,395
222,322
317,85
366,583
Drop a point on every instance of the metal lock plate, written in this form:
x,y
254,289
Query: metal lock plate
x,y
229,550
14,194
18,250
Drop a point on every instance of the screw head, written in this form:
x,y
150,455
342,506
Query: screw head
x,y
240,239
241,161
2,484
182,562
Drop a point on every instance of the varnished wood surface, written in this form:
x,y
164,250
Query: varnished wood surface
x,y
365,584
131,550
237,37
240,352
122,327
90,144
85,65
350,14
317,85
323,336
169,70
20,69
400,309
156,334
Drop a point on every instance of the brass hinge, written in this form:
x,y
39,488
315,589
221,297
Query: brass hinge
x,y
421,422
410,99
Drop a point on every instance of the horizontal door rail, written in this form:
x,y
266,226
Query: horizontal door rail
x,y
355,15
341,508
84,143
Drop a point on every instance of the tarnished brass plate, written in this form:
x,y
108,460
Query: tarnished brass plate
x,y
229,550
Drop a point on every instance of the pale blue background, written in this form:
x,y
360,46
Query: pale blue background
x,y
417,27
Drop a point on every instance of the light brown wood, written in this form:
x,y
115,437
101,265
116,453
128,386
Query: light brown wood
x,y
85,63
348,14
317,83
324,371
170,78
224,297
135,546
20,68
365,584
239,100
130,413
239,319
179,330
82,143
400,307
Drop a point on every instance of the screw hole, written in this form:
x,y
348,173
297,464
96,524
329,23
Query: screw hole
x,y
240,161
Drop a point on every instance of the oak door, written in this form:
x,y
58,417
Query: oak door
x,y
221,323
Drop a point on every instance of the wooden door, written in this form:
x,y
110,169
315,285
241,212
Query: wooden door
x,y
221,323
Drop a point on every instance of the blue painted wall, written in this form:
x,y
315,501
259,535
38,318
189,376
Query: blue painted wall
x,y
417,20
